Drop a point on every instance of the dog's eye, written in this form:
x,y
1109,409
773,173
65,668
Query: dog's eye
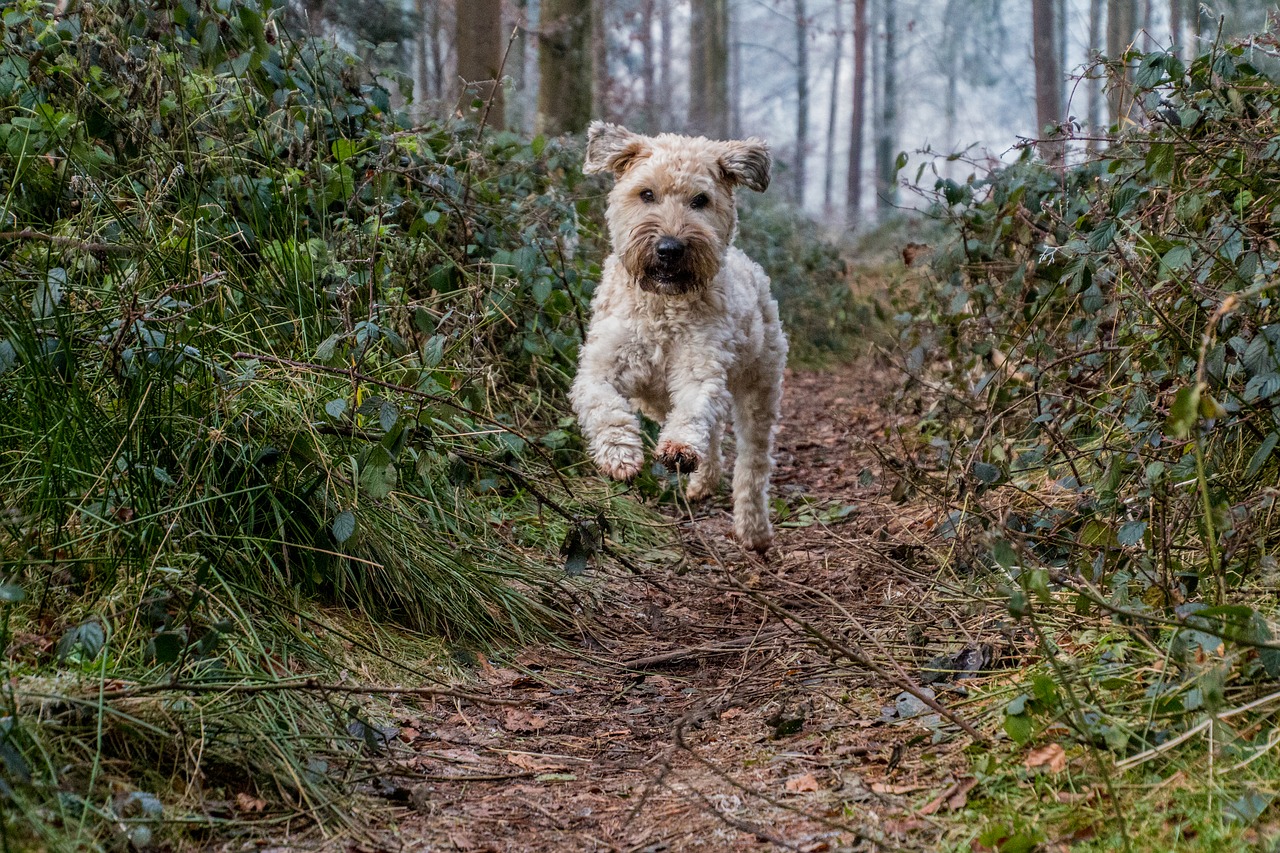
x,y
646,196
699,201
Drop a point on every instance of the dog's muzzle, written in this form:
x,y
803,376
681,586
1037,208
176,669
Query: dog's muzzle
x,y
670,272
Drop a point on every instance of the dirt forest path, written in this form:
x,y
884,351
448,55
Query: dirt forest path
x,y
697,719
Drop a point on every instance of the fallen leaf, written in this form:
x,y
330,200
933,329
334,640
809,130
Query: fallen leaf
x,y
887,788
409,734
802,784
535,763
518,720
249,803
952,799
1051,757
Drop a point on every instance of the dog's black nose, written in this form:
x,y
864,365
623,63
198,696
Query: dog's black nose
x,y
670,249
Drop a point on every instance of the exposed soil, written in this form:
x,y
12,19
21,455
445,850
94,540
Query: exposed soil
x,y
695,717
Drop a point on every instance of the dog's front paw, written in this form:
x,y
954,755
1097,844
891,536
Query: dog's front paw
x,y
620,461
678,456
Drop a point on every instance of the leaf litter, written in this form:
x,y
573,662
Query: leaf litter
x,y
690,714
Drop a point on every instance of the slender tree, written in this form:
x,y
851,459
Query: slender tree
x,y
853,201
802,98
709,68
600,84
1048,78
648,68
1094,82
564,66
665,56
421,62
828,184
478,36
887,122
1121,23
1175,27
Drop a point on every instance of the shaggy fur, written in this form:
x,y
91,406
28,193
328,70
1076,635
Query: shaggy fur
x,y
683,325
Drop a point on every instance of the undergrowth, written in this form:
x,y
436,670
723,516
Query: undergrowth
x,y
1096,361
281,400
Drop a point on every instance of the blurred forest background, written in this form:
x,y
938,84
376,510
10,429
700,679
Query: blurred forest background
x,y
830,83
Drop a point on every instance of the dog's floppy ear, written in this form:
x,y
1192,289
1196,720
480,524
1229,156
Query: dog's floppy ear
x,y
747,163
612,148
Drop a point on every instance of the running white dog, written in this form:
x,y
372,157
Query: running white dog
x,y
683,325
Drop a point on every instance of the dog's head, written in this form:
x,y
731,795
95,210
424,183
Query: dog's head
x,y
671,212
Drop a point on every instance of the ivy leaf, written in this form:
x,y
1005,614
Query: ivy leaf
x,y
1262,386
1131,533
335,408
87,637
1175,259
388,414
1262,454
48,294
328,347
343,526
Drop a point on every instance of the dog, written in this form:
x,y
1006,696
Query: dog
x,y
683,325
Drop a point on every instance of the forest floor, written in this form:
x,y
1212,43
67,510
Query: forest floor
x,y
694,716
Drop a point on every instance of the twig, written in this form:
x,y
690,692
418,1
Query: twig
x,y
309,685
726,647
71,242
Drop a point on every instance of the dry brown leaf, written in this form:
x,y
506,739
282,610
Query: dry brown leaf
x,y
518,720
535,763
887,788
409,734
249,803
802,784
1051,757
952,799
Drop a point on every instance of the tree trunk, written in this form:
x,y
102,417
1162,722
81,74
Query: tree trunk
x,y
709,68
564,66
1121,15
735,85
829,179
1048,84
802,99
1064,50
1175,27
1094,108
648,70
421,62
438,32
887,125
600,94
478,36
665,54
853,201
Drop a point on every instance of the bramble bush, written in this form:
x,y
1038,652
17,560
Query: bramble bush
x,y
1106,339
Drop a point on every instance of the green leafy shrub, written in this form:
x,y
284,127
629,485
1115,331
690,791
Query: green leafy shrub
x,y
1107,339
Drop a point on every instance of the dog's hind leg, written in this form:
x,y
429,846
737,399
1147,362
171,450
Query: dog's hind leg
x,y
755,413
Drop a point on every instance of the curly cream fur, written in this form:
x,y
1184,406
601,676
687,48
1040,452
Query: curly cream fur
x,y
690,343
